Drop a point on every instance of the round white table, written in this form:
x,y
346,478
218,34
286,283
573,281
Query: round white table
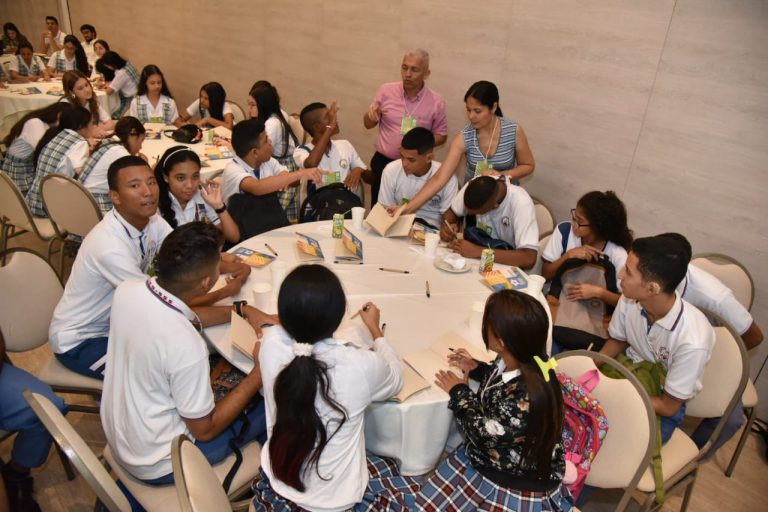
x,y
13,105
154,149
414,431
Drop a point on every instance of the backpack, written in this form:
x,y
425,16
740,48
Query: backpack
x,y
584,428
326,201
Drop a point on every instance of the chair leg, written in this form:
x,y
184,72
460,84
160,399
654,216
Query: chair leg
x,y
751,413
689,491
65,463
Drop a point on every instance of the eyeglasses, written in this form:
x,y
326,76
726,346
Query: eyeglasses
x,y
573,218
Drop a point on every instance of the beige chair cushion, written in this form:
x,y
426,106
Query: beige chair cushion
x,y
55,374
749,398
70,205
720,380
544,219
165,499
202,490
730,274
679,451
44,227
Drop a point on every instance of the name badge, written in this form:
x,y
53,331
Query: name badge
x,y
481,167
408,124
487,228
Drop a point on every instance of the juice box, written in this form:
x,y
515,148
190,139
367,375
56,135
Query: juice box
x,y
486,260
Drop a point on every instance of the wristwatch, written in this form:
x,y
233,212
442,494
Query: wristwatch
x,y
221,210
238,305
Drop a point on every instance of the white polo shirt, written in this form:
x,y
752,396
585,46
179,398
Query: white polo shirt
x,y
124,83
682,341
114,251
514,221
275,131
237,170
24,145
705,291
398,187
616,254
342,159
18,65
196,209
59,38
158,375
154,113
96,181
90,53
357,377
103,114
194,109
69,64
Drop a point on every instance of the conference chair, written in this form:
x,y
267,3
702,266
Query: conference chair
x,y
30,291
628,447
238,114
71,209
298,130
16,218
544,218
81,456
539,263
735,276
165,498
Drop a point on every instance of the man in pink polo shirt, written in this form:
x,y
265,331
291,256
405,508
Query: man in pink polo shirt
x,y
400,106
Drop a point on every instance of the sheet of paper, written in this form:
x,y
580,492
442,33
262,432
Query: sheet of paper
x,y
412,384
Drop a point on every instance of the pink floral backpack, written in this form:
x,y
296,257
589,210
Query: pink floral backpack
x,y
584,428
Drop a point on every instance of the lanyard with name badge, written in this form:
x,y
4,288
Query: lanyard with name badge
x,y
409,120
485,165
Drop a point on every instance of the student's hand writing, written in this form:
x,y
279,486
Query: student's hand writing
x,y
371,317
352,180
448,231
212,195
461,359
465,248
446,380
258,318
582,291
585,252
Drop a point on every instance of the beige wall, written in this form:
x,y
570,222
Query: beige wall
x,y
663,101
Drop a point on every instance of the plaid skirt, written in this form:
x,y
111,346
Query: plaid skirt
x,y
103,200
21,171
386,491
289,197
456,486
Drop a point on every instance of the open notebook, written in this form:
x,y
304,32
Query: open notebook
x,y
389,226
242,335
429,361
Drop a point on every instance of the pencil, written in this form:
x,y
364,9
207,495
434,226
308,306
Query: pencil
x,y
428,295
358,313
270,248
385,269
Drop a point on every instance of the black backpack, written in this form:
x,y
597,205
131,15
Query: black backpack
x,y
323,203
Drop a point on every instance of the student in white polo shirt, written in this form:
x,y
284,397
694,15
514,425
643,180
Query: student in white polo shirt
x,y
403,178
652,323
338,157
506,220
158,384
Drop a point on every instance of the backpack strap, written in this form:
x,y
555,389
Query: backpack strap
x,y
565,233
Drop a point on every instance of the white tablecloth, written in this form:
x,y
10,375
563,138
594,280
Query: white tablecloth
x,y
13,106
154,149
415,431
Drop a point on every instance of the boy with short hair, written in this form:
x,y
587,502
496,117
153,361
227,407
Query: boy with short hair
x,y
402,179
52,39
158,385
336,156
652,323
505,213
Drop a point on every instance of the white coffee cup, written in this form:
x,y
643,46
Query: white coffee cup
x,y
262,296
430,243
358,212
278,270
535,284
476,317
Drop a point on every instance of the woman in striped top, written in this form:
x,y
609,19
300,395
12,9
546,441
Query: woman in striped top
x,y
491,144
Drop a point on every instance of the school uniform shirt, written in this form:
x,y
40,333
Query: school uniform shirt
x,y
158,375
114,251
397,188
682,341
124,83
103,115
275,131
237,170
616,254
195,210
341,158
514,221
24,145
705,291
18,64
164,112
59,38
90,53
356,378
60,63
194,109
94,175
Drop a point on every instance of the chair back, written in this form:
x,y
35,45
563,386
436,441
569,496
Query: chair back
x,y
30,291
13,208
198,486
238,114
627,448
725,375
544,218
731,273
69,204
298,130
542,244
79,453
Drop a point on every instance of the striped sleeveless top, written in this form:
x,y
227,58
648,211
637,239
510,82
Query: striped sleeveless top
x,y
502,160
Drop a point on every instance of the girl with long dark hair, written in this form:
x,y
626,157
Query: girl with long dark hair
x,y
154,102
125,82
211,107
71,56
316,391
183,198
100,71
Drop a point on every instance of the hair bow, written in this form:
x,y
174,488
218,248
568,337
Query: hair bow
x,y
545,366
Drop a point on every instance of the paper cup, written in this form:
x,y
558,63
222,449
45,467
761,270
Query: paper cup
x,y
476,317
262,296
278,269
430,243
535,284
358,212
